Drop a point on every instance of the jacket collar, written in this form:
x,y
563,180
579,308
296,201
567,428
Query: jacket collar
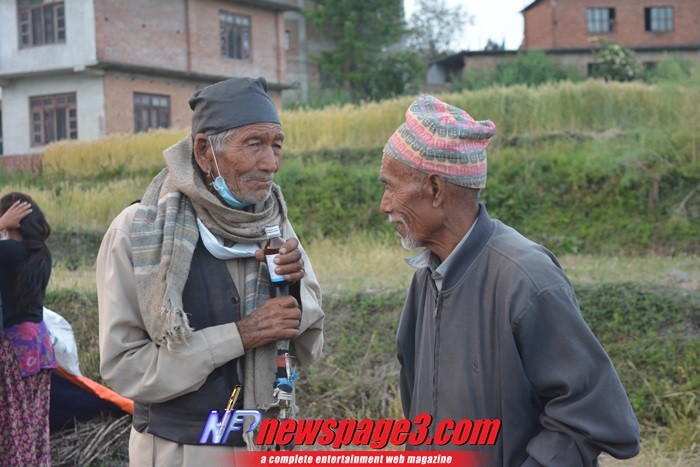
x,y
465,254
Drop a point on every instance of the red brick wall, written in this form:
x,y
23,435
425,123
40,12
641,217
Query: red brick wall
x,y
27,163
266,41
180,35
119,99
293,27
562,24
538,27
145,32
184,35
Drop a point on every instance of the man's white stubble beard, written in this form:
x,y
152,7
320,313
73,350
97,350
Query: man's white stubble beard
x,y
409,240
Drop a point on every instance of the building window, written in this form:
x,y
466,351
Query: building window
x,y
151,111
287,39
40,22
592,70
658,19
235,35
600,19
54,118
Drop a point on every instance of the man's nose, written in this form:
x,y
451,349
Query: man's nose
x,y
269,161
385,204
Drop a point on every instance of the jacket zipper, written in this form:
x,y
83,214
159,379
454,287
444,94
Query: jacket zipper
x,y
437,305
436,355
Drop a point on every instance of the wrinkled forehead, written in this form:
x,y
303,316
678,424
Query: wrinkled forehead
x,y
260,129
392,168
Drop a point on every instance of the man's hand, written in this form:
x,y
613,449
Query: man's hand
x,y
289,262
14,214
277,318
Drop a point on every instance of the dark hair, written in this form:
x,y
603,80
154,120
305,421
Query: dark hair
x,y
33,275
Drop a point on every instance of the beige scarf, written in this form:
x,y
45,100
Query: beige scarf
x,y
164,235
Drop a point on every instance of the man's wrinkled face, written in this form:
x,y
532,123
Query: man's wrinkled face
x,y
250,159
403,201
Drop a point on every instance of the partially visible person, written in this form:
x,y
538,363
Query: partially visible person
x,y
491,328
26,355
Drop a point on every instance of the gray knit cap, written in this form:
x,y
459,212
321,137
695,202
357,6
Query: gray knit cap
x,y
230,104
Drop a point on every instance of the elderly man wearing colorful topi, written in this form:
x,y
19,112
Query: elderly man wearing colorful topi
x,y
187,310
491,328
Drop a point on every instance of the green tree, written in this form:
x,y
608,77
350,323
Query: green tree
x,y
364,34
433,26
614,62
395,74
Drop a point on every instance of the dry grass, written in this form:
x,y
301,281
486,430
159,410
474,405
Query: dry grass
x,y
71,206
655,454
81,280
682,271
99,442
359,263
110,154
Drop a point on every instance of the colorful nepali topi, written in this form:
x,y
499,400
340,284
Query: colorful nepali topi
x,y
440,138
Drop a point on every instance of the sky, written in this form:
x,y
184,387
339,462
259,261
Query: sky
x,y
498,20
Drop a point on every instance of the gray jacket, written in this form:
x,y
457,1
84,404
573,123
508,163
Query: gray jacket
x,y
504,339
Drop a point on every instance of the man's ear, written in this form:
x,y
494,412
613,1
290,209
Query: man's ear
x,y
436,187
200,149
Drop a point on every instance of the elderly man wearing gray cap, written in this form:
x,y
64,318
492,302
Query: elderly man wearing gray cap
x,y
491,329
186,308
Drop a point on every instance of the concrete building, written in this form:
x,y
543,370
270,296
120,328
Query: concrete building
x,y
567,31
82,69
303,42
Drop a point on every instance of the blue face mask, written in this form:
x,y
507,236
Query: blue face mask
x,y
222,189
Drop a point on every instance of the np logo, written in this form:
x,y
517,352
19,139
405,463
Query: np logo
x,y
233,420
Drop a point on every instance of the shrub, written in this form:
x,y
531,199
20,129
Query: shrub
x,y
672,69
615,62
530,68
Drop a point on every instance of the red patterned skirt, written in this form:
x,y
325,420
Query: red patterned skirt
x,y
24,412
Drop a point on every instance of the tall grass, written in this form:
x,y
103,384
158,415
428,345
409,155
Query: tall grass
x,y
565,106
590,106
83,206
112,155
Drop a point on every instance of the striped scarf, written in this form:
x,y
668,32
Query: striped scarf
x,y
165,233
163,238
